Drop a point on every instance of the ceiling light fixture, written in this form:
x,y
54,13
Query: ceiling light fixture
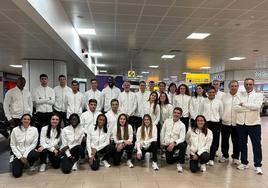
x,y
205,67
139,76
153,66
100,65
167,56
103,71
144,72
85,31
199,36
237,58
16,66
95,54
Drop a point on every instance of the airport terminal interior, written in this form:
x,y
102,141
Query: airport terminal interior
x,y
191,42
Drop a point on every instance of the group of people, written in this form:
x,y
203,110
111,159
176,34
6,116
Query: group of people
x,y
111,124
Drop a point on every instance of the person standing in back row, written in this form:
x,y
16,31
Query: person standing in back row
x,y
44,98
217,84
108,93
94,93
249,124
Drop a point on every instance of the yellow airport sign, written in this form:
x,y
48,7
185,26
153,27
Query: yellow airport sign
x,y
197,78
131,74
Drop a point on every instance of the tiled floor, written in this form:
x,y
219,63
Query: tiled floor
x,y
142,176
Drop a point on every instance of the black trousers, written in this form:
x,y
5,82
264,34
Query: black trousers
x,y
180,158
108,152
62,117
55,160
42,119
84,146
202,159
135,122
17,165
185,121
226,132
215,128
118,155
153,149
67,163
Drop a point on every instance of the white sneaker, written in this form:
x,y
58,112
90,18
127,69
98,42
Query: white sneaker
x,y
11,159
74,168
32,168
223,160
163,156
130,164
42,168
211,163
236,162
179,168
259,171
242,167
203,168
155,166
106,164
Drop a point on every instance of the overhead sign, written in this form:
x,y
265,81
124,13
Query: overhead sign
x,y
197,78
131,74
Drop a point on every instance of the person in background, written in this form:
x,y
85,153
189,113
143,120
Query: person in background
x,y
219,94
161,88
146,140
94,93
173,138
23,141
44,98
17,101
108,93
172,89
123,137
151,86
199,140
182,100
228,128
249,124
128,104
152,108
60,93
49,143
75,100
195,103
98,142
212,109
71,138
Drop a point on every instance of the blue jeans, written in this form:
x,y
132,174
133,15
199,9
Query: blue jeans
x,y
254,133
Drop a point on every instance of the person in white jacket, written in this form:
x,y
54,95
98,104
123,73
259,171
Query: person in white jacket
x,y
249,125
219,94
94,93
44,98
172,92
173,138
75,100
71,138
98,142
49,143
108,93
228,128
196,101
152,108
199,140
60,93
23,141
123,137
146,140
212,109
182,100
17,101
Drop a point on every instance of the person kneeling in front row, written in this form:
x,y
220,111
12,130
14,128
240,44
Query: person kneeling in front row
x,y
147,140
98,142
173,138
199,140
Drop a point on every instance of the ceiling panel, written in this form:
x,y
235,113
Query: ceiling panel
x,y
180,12
129,9
154,10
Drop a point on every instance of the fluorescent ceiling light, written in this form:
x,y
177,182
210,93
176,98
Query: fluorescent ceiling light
x,y
102,71
205,67
198,36
139,76
153,66
85,31
174,77
144,72
16,66
95,54
237,58
167,56
100,65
